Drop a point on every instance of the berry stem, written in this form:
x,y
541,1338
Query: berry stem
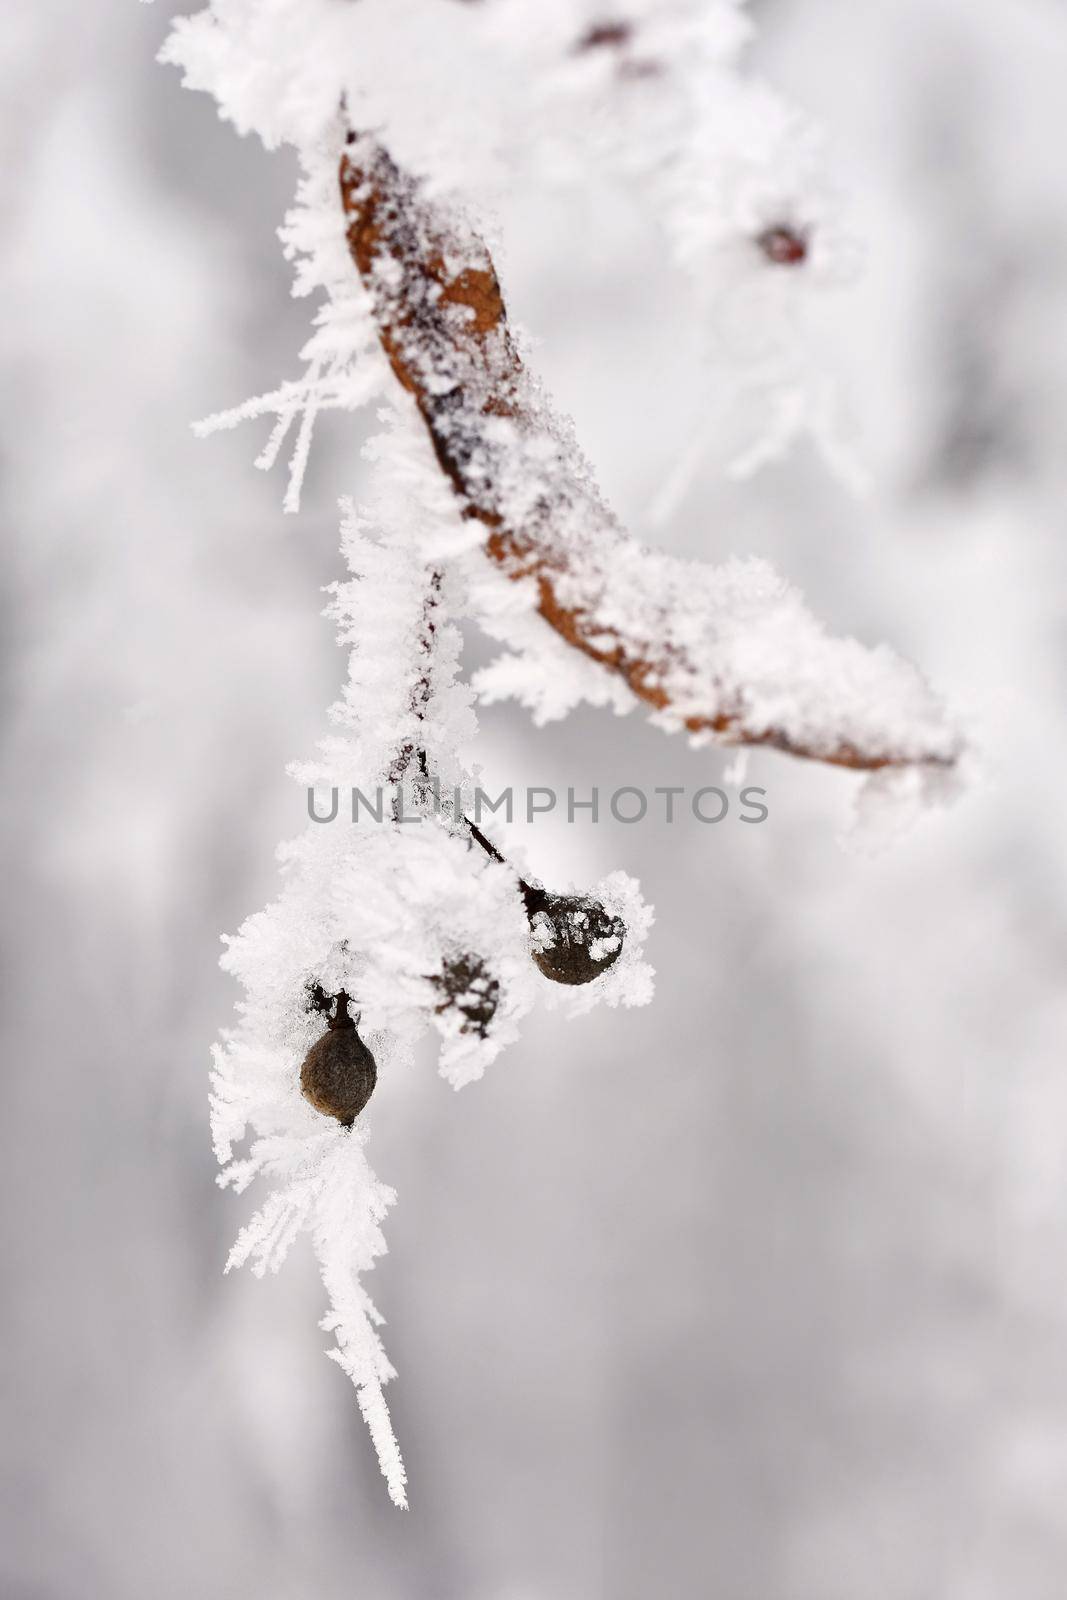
x,y
534,897
340,1018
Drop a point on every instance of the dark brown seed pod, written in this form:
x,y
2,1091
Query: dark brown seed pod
x,y
570,932
468,987
339,1072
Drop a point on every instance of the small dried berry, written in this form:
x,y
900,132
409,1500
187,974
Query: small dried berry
x,y
339,1072
784,245
606,35
575,938
468,987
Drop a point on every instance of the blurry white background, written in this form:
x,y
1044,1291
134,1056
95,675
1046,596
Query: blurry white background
x,y
757,1294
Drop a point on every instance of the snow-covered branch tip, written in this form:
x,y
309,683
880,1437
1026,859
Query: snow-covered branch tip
x,y
728,652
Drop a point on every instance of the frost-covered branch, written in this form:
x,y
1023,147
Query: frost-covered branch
x,y
731,652
381,936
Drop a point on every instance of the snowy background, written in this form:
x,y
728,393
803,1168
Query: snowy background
x,y
758,1293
